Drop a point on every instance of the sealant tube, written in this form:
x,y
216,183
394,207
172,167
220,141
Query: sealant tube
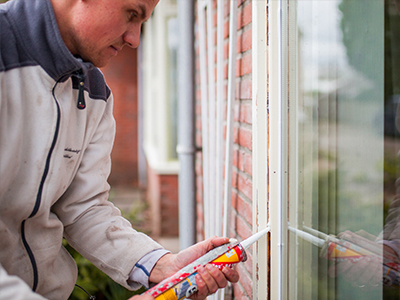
x,y
187,287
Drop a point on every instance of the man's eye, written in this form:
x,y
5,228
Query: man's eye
x,y
132,15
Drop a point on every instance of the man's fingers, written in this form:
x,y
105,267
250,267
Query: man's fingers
x,y
209,279
211,276
231,274
202,291
214,242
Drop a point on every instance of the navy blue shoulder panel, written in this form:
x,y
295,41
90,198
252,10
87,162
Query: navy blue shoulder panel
x,y
12,54
96,85
29,36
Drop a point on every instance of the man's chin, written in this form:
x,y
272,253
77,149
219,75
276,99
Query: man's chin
x,y
98,62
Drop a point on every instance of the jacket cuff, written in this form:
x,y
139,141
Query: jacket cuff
x,y
142,269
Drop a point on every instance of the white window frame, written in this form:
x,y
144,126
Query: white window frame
x,y
157,135
261,184
278,143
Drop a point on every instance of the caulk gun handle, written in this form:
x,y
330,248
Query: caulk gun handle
x,y
187,287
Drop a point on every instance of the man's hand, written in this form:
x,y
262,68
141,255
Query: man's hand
x,y
209,279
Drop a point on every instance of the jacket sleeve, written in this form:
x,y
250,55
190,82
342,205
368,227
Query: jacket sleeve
x,y
92,225
13,287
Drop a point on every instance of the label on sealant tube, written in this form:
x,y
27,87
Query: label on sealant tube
x,y
188,287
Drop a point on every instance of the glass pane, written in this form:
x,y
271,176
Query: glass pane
x,y
173,43
344,89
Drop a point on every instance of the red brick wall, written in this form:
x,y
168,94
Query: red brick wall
x,y
121,76
241,219
162,195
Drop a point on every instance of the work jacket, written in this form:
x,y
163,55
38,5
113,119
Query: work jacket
x,y
56,135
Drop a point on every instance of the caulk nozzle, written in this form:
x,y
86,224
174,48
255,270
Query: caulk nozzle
x,y
254,238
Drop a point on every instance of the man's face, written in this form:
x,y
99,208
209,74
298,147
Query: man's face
x,y
100,28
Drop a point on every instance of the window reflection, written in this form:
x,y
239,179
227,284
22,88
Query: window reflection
x,y
346,54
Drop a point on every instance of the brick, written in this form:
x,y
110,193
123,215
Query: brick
x,y
248,264
235,177
245,280
236,159
241,160
245,209
198,139
235,135
226,49
245,185
243,229
238,67
246,15
245,138
226,29
227,9
244,41
239,292
248,164
236,112
163,199
246,113
245,89
246,64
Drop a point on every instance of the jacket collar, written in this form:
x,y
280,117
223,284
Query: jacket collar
x,y
36,28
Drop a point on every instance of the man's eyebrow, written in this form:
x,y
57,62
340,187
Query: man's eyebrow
x,y
143,11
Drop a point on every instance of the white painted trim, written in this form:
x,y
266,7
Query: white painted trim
x,y
260,140
163,167
211,115
204,112
230,111
219,118
278,142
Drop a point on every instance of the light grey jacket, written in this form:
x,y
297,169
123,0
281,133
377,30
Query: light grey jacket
x,y
55,142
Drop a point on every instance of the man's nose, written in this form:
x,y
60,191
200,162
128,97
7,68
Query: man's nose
x,y
132,36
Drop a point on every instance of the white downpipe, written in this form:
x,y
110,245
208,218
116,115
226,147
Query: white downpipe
x,y
186,147
229,126
219,108
204,113
211,116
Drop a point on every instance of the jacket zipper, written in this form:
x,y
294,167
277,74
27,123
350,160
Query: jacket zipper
x,y
39,197
81,88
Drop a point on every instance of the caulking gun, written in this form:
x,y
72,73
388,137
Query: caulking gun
x,y
183,284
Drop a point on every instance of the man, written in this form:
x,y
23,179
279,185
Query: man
x,y
56,135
